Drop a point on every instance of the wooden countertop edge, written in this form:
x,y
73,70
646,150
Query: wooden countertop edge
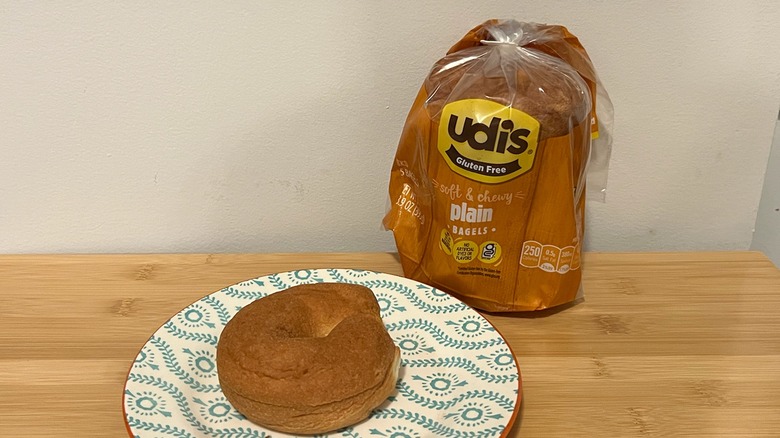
x,y
715,253
199,257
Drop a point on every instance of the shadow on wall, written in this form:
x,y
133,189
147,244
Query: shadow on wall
x,y
766,237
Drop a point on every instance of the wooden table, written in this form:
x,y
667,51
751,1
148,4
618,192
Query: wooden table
x,y
662,344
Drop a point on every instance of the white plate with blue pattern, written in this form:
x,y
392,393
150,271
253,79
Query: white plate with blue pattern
x,y
458,376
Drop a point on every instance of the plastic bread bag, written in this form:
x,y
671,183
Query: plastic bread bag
x,y
488,186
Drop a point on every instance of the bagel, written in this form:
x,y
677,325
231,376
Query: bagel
x,y
309,359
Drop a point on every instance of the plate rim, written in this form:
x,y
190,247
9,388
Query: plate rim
x,y
510,422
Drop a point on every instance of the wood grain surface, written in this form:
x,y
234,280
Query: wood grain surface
x,y
663,344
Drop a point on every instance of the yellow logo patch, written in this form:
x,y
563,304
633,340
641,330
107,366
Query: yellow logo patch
x,y
486,141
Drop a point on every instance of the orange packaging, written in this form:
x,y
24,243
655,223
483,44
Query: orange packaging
x,y
487,188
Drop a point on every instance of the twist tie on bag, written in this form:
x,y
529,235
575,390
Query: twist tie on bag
x,y
504,32
496,43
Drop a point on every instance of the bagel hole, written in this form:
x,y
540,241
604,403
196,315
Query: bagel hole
x,y
284,332
322,333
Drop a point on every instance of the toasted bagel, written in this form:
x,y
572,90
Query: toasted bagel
x,y
309,359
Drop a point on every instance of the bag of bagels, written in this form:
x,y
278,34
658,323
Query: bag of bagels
x,y
488,185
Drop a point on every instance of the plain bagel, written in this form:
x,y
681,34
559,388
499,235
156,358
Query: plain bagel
x,y
309,359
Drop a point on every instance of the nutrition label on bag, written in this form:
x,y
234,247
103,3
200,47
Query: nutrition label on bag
x,y
550,258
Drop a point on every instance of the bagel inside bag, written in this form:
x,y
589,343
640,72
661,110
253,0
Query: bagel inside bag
x,y
487,189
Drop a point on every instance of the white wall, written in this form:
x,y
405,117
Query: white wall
x,y
271,125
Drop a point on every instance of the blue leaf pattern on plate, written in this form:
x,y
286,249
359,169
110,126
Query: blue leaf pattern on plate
x,y
458,377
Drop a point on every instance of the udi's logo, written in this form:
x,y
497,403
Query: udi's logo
x,y
486,141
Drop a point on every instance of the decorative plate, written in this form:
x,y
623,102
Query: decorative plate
x,y
458,376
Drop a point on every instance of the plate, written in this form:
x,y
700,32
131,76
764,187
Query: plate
x,y
458,376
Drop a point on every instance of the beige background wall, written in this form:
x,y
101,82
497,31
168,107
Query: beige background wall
x,y
271,125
